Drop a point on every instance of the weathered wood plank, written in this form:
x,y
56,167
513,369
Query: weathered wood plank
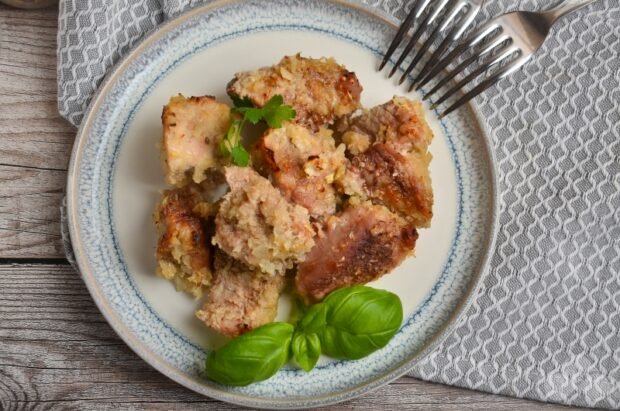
x,y
32,133
56,350
35,142
29,213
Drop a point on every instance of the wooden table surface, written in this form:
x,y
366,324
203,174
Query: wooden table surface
x,y
56,349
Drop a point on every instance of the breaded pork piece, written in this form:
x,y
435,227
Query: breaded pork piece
x,y
388,149
320,90
304,165
387,177
399,122
359,246
183,250
240,298
193,127
258,226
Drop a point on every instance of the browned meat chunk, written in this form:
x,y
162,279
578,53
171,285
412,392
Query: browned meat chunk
x,y
183,251
361,245
304,166
320,90
390,161
193,128
400,183
258,226
240,298
399,122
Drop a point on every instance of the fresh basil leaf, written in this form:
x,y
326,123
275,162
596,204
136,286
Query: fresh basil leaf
x,y
359,321
252,357
315,319
306,349
242,102
240,156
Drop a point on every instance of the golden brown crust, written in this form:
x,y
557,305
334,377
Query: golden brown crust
x,y
265,227
399,122
320,90
183,250
304,165
388,147
240,298
192,130
258,226
349,86
359,246
389,178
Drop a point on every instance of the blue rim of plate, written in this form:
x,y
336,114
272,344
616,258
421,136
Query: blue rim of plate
x,y
138,345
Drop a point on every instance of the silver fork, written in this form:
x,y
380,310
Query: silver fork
x,y
438,16
505,43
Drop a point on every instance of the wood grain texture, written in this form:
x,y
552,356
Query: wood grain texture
x,y
56,350
35,142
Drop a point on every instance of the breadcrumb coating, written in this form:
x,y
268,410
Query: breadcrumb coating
x,y
258,226
320,90
193,128
183,250
304,166
240,298
388,149
360,245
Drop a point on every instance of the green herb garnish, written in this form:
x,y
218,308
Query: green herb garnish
x,y
274,113
252,357
350,323
306,348
359,320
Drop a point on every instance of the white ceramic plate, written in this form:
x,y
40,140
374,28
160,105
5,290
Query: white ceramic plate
x,y
115,179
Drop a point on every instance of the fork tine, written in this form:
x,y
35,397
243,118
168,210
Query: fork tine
x,y
496,45
438,11
457,70
496,77
404,28
458,28
474,74
441,24
478,36
434,58
412,42
419,55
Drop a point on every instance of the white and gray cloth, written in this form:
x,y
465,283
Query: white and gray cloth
x,y
546,323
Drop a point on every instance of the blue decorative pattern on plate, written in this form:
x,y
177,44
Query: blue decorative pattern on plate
x,y
115,178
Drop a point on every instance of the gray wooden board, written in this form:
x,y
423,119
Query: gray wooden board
x,y
56,350
35,142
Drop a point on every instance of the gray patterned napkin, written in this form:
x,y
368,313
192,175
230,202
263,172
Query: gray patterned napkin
x,y
546,323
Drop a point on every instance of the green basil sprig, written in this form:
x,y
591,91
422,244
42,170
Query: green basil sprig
x,y
306,348
359,320
350,323
252,357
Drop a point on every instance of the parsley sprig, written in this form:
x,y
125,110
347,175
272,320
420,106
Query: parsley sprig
x,y
274,113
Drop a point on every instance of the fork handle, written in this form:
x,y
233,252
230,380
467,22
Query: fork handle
x,y
564,8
